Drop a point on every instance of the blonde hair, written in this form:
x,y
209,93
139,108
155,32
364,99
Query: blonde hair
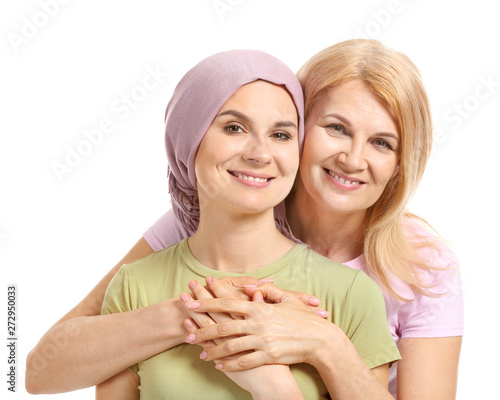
x,y
389,247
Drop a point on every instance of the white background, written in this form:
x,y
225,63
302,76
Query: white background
x,y
66,69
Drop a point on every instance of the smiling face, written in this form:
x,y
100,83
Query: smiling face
x,y
249,157
351,149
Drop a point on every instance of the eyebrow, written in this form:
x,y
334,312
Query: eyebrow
x,y
243,117
348,123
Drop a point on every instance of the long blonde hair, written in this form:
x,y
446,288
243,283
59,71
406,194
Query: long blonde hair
x,y
389,248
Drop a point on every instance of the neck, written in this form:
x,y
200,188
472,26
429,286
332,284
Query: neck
x,y
337,236
237,243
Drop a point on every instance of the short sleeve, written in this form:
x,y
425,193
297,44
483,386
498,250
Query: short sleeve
x,y
165,232
440,316
117,299
365,323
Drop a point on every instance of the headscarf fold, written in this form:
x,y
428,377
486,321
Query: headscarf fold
x,y
196,100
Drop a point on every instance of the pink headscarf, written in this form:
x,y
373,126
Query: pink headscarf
x,y
197,99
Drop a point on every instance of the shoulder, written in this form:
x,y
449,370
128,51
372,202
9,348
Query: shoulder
x,y
166,231
155,265
334,279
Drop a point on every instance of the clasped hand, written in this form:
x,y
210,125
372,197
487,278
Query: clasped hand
x,y
257,324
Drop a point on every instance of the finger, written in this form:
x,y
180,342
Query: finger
x,y
246,361
199,292
192,327
322,313
270,293
232,348
221,289
220,330
239,281
224,305
276,295
201,319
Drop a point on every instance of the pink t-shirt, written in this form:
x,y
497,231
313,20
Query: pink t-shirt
x,y
423,317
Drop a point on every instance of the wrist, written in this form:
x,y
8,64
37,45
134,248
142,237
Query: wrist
x,y
278,384
333,349
167,318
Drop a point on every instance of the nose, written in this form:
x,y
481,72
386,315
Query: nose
x,y
352,157
257,151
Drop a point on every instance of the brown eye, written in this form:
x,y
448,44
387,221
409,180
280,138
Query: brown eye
x,y
382,143
336,128
282,136
233,129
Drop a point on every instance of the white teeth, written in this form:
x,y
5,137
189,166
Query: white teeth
x,y
342,180
251,178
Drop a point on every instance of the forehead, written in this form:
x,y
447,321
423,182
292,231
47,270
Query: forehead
x,y
261,93
356,102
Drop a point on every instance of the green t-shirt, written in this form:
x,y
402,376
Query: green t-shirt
x,y
354,301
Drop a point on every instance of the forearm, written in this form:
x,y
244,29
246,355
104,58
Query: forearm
x,y
268,382
283,387
347,376
87,350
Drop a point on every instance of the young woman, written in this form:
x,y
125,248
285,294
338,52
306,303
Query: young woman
x,y
377,235
231,165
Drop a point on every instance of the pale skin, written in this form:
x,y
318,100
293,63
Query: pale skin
x,y
428,369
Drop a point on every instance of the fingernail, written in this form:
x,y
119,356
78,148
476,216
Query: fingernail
x,y
188,323
190,338
184,297
313,301
192,284
219,366
266,280
193,305
209,280
203,355
323,313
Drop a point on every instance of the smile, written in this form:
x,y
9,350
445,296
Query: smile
x,y
249,177
343,180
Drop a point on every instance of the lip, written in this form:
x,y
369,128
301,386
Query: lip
x,y
342,185
251,178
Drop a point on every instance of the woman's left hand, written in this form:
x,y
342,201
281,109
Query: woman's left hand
x,y
282,332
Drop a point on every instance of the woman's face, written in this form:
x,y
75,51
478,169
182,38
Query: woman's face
x,y
351,149
249,157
